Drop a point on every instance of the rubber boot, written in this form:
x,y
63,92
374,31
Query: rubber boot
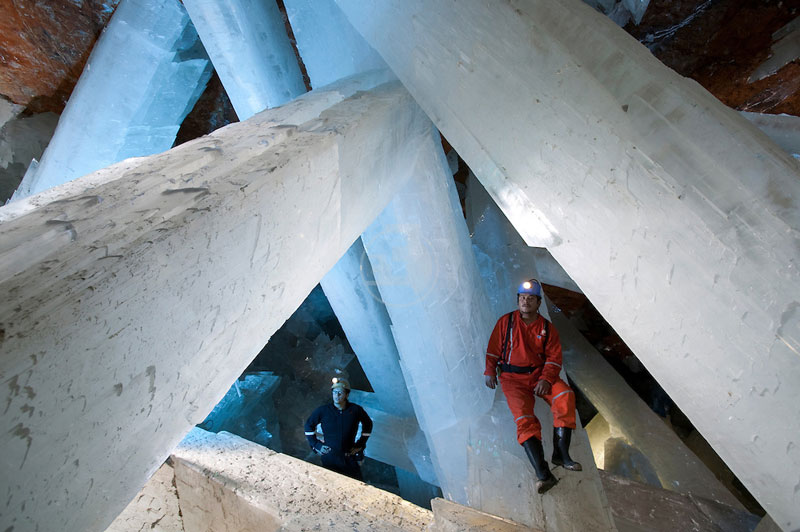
x,y
561,439
533,448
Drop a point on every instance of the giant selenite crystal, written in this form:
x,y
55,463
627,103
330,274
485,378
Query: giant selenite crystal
x,y
248,410
136,295
426,275
350,289
678,469
674,215
143,77
331,48
247,43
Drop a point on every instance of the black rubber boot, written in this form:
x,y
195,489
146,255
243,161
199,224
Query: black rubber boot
x,y
546,480
561,439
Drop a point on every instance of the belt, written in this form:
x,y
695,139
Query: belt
x,y
509,368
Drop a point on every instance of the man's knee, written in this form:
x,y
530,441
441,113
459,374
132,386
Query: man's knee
x,y
561,393
527,426
527,432
562,405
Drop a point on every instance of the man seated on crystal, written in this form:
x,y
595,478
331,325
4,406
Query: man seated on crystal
x,y
525,351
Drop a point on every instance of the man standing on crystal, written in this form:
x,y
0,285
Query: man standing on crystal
x,y
526,350
340,451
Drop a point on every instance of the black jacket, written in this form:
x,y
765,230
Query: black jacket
x,y
339,427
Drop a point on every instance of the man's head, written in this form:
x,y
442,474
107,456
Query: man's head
x,y
340,389
529,296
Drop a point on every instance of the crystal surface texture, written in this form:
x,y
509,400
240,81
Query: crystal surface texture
x,y
142,78
228,484
257,211
248,45
502,481
677,218
427,277
677,467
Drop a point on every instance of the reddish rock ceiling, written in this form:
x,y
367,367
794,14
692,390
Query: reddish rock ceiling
x,y
44,45
722,45
212,111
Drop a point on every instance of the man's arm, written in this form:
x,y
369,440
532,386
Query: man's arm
x,y
552,360
311,432
366,432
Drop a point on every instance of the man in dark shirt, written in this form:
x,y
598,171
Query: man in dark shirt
x,y
526,349
340,451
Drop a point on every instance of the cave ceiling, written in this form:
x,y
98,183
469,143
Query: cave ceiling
x,y
44,45
719,43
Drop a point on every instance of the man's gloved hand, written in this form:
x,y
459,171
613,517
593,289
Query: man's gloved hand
x,y
355,450
323,449
490,381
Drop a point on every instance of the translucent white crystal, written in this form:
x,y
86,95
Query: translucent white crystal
x,y
783,129
143,77
785,49
332,49
227,483
502,481
248,45
426,275
675,216
160,290
329,45
362,314
676,466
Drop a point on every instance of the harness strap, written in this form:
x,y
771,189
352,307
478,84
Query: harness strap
x,y
508,342
546,337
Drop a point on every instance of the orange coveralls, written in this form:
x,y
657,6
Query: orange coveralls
x,y
527,349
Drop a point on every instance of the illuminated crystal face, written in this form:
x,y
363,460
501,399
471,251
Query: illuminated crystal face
x,y
251,52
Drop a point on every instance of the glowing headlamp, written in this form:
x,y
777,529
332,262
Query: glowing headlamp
x,y
338,382
530,286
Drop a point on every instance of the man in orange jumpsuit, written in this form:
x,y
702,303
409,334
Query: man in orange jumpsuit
x,y
527,351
